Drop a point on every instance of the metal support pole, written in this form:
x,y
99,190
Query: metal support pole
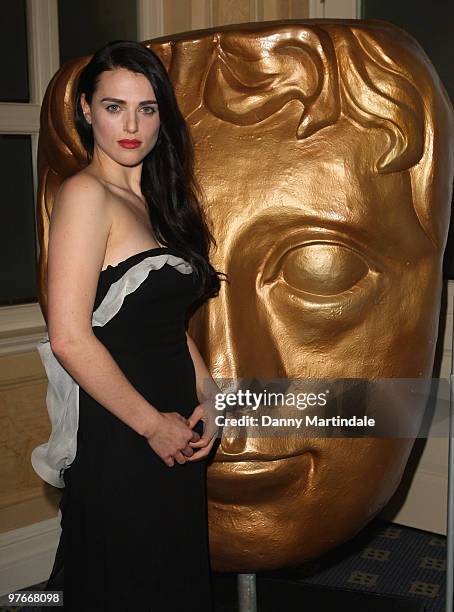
x,y
247,596
450,526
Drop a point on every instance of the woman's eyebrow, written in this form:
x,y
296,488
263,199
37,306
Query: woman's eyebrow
x,y
118,101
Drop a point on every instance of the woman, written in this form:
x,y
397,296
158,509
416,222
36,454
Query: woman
x,y
128,256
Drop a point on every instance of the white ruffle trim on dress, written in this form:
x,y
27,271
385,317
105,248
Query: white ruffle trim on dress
x,y
49,460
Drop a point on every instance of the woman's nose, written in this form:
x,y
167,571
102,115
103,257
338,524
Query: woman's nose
x,y
131,122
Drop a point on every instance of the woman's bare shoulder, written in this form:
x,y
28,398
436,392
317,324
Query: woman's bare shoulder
x,y
80,226
82,187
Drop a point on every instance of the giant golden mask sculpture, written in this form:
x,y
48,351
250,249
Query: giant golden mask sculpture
x,y
325,150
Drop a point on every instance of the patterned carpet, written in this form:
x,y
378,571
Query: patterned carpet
x,y
383,558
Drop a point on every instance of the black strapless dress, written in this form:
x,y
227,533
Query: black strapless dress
x,y
135,531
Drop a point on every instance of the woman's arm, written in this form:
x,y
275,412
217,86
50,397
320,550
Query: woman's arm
x,y
79,229
206,386
205,411
80,226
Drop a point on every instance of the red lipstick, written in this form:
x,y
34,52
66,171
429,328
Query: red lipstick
x,y
129,144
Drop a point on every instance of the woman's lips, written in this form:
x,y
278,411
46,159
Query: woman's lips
x,y
129,144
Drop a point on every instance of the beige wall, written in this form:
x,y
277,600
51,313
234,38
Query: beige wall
x,y
422,498
24,498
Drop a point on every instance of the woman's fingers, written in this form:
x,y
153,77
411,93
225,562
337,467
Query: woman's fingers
x,y
205,442
203,452
187,451
202,442
183,456
179,457
195,416
200,454
195,437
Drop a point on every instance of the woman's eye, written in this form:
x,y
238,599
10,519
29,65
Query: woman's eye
x,y
113,108
148,110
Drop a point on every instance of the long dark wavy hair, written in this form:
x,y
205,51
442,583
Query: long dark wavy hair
x,y
168,183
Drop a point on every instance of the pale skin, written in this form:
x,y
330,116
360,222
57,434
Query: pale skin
x,y
100,218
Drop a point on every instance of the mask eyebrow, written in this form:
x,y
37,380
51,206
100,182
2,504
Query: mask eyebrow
x,y
118,101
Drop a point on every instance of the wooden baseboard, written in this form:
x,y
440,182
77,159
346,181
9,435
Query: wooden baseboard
x,y
27,554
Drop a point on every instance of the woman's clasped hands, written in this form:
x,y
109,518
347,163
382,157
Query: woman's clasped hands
x,y
172,437
205,412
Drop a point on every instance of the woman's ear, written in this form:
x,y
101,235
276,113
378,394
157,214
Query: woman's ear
x,y
85,108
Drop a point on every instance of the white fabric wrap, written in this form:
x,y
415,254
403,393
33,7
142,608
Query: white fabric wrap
x,y
49,460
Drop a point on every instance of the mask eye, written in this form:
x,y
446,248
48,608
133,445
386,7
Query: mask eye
x,y
323,269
